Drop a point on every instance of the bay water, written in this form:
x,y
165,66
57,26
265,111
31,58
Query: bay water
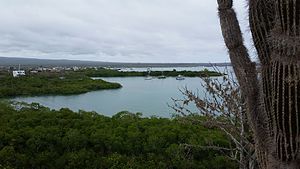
x,y
150,97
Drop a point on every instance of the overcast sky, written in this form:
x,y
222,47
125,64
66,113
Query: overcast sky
x,y
114,30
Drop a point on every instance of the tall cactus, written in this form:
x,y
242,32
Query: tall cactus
x,y
273,98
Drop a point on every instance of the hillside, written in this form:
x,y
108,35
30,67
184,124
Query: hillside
x,y
9,61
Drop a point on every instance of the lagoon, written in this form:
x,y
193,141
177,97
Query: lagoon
x,y
151,97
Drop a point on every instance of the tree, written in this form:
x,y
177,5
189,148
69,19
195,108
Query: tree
x,y
221,107
272,95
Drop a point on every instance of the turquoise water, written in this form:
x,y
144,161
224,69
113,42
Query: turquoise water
x,y
151,97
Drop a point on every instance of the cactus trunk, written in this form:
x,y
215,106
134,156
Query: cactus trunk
x,y
273,99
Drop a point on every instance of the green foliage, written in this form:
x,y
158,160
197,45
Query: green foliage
x,y
50,85
37,137
78,82
115,73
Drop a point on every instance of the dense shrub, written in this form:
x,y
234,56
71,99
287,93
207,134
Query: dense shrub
x,y
51,85
37,137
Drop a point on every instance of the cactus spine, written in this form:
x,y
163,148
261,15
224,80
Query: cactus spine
x,y
273,98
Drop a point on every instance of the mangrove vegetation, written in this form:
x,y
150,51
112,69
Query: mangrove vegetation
x,y
102,72
51,84
76,82
33,136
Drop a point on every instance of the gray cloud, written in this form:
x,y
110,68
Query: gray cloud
x,y
114,30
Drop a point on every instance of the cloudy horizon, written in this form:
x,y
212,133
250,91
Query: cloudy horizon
x,y
169,31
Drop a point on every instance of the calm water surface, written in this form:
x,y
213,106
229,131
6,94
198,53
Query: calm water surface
x,y
151,97
198,68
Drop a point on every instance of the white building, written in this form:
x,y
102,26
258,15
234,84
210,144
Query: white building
x,y
75,68
18,73
34,72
